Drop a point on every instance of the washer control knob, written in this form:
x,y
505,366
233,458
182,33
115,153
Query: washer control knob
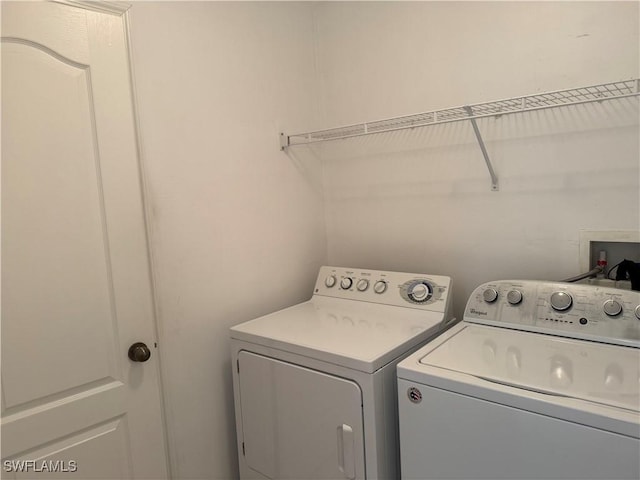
x,y
514,297
612,308
638,312
330,281
490,295
420,292
346,283
561,301
362,284
380,286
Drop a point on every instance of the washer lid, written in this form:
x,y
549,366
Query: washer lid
x,y
600,373
358,335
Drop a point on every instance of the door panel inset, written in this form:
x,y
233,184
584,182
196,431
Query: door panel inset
x,y
57,293
97,453
299,423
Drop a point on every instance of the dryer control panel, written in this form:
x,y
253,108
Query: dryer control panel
x,y
573,310
414,290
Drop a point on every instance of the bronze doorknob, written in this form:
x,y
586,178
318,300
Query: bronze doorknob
x,y
139,352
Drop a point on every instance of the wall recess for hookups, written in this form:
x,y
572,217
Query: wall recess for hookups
x,y
619,245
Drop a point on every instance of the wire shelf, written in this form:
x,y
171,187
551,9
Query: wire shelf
x,y
538,101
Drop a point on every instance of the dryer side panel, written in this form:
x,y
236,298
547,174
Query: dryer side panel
x,y
299,423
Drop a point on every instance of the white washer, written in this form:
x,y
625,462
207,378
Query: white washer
x,y
315,385
539,380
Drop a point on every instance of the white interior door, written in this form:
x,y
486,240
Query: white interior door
x,y
299,423
76,289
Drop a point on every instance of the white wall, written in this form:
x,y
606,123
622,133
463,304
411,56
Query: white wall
x,y
421,200
236,226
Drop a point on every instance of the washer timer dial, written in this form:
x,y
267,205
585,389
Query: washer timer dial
x,y
514,297
612,308
561,301
490,295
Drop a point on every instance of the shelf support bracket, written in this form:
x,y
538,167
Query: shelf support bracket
x,y
494,178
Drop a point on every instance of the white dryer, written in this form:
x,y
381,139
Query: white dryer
x,y
315,384
539,380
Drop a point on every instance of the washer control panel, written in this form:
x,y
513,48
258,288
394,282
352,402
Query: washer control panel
x,y
574,310
415,290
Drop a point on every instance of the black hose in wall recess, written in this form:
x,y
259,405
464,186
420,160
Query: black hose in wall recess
x,y
631,270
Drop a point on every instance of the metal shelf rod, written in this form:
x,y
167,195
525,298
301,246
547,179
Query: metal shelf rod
x,y
310,136
528,103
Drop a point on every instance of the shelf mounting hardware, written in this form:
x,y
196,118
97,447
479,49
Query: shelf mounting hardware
x,y
284,141
476,130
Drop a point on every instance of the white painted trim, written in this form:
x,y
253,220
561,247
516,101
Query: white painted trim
x,y
171,462
588,236
101,6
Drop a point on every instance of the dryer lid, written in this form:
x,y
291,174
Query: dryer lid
x,y
596,372
357,335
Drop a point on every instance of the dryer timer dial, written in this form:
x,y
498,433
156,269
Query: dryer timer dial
x,y
420,291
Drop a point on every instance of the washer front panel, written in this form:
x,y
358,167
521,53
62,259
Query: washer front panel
x,y
448,435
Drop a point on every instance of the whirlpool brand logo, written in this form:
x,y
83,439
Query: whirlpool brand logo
x,y
415,395
477,312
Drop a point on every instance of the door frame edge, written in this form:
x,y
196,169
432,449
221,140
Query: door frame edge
x,y
102,6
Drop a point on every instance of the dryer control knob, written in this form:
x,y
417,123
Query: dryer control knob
x,y
346,283
612,308
380,286
514,297
490,295
362,284
638,312
561,301
330,281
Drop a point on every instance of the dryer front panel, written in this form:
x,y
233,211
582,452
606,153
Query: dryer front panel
x,y
298,422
